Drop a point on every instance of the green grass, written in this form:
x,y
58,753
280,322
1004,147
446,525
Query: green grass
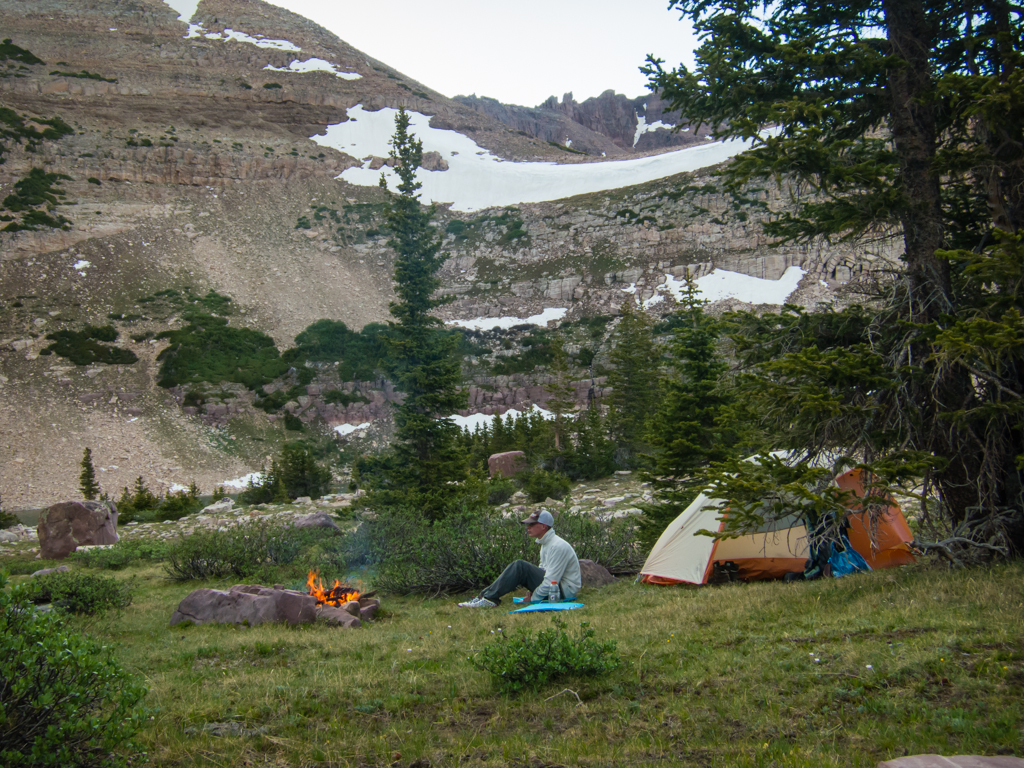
x,y
844,673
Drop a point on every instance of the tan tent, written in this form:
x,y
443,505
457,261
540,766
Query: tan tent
x,y
684,556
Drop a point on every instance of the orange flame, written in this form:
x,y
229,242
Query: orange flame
x,y
337,595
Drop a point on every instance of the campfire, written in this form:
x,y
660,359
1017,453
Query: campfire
x,y
337,595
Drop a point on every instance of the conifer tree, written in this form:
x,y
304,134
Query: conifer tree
x,y
634,383
897,116
87,480
686,433
422,361
561,395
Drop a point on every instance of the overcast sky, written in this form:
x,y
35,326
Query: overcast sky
x,y
518,52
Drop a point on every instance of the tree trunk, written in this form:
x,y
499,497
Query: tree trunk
x,y
913,125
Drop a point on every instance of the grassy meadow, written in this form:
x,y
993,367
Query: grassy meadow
x,y
844,672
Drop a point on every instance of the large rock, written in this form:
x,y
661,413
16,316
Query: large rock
x,y
595,575
508,464
70,524
245,604
316,520
221,507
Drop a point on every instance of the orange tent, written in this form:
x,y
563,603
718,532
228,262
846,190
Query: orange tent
x,y
682,555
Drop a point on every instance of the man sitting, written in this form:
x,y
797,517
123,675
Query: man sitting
x,y
557,578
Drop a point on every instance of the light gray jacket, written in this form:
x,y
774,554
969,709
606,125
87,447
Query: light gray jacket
x,y
560,565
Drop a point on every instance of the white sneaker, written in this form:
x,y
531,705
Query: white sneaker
x,y
478,602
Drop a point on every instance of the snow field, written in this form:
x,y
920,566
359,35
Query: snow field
x,y
476,179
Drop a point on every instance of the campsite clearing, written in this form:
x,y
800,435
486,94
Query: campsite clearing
x,y
843,672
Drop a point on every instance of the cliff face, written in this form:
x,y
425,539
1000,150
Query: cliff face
x,y
187,166
610,125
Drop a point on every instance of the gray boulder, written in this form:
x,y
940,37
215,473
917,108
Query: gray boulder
x,y
68,525
220,507
595,575
316,520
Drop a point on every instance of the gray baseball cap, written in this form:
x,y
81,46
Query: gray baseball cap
x,y
543,517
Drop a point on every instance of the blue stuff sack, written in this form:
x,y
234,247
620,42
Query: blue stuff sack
x,y
846,561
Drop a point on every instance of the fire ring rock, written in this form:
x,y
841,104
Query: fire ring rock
x,y
245,604
68,525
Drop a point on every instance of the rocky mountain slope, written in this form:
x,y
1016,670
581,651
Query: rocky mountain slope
x,y
194,161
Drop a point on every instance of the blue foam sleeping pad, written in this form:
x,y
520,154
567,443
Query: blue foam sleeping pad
x,y
536,607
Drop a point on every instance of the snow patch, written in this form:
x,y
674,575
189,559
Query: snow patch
x,y
488,323
475,420
186,8
260,41
476,179
315,65
81,265
243,482
642,127
348,429
722,284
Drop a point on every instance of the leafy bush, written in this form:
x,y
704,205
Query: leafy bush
x,y
8,519
64,701
249,549
121,554
528,660
78,592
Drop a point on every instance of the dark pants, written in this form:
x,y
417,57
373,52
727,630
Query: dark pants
x,y
516,575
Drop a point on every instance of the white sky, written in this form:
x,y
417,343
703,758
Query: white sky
x,y
518,53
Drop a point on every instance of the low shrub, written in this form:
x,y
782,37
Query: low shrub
x,y
122,554
461,552
64,701
528,660
251,549
89,346
83,593
468,550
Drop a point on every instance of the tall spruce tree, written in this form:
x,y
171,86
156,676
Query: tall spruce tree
x,y
634,381
894,116
87,479
561,397
422,361
686,431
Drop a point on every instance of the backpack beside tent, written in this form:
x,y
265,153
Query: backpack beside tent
x,y
780,547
